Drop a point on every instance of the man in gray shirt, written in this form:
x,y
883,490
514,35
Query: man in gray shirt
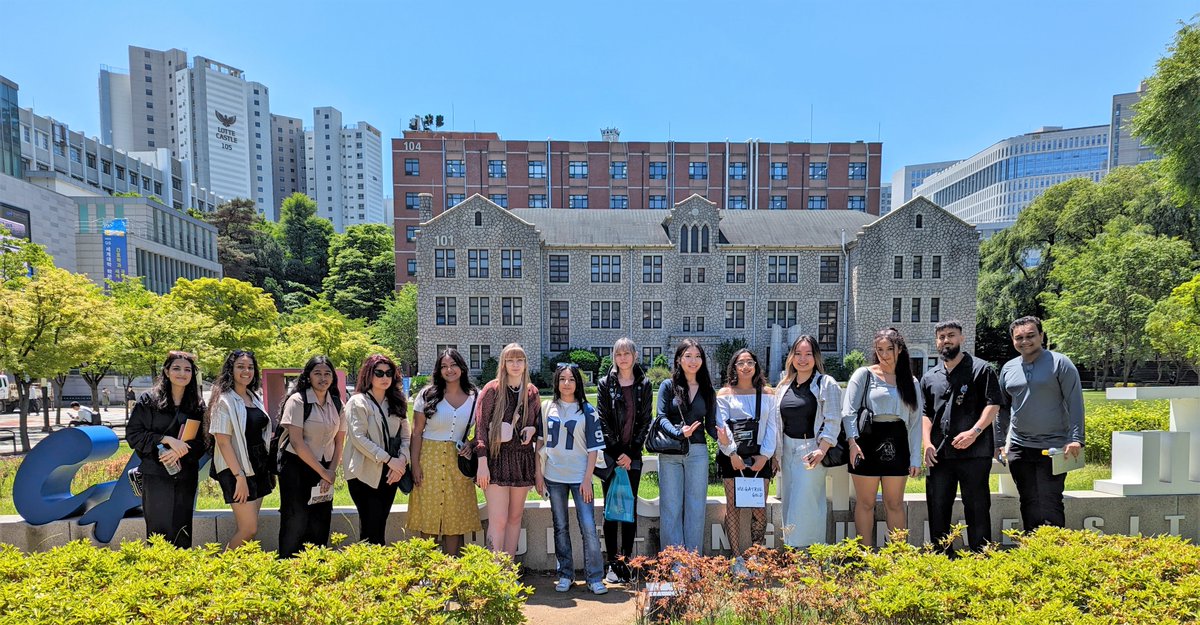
x,y
1043,402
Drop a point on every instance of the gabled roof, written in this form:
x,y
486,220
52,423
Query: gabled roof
x,y
584,228
791,228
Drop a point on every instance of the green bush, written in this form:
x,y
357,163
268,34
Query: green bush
x,y
1102,419
851,362
835,368
656,375
488,372
418,382
409,582
586,360
661,361
606,365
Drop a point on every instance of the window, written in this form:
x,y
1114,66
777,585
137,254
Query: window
x,y
479,355
935,271
446,311
687,324
658,201
618,201
499,199
935,309
818,171
411,201
651,315
537,169
455,169
699,324
618,170
830,269
510,311
601,352
778,202
735,315
857,203
916,309
560,325
738,202
443,263
453,199
827,325
412,266
577,201
735,269
538,200
477,263
781,313
652,269
410,233
779,171
916,268
858,171
606,315
658,170
818,202
606,268
697,171
510,263
649,354
560,268
478,218
412,167
577,169
737,171
481,311
700,275
783,269
687,275
497,169
898,267
920,221
896,310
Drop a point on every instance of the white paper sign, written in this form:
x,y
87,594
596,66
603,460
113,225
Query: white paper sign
x,y
749,492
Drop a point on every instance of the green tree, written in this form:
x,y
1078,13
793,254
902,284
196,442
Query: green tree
x,y
396,328
245,247
723,354
1167,116
48,324
305,241
362,271
319,329
243,315
1109,287
1174,326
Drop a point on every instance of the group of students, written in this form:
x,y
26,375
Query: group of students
x,y
887,423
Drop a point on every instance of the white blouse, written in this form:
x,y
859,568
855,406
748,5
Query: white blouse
x,y
447,423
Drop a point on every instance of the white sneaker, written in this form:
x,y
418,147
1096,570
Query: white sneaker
x,y
563,585
612,576
598,588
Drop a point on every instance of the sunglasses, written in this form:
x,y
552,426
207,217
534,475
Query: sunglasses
x,y
384,373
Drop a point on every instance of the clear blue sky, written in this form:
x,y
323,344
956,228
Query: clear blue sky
x,y
932,80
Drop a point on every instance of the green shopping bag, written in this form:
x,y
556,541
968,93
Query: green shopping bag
x,y
620,502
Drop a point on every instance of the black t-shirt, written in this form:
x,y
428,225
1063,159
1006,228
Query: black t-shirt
x,y
798,411
954,401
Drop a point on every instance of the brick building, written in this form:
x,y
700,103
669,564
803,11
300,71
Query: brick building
x,y
553,280
612,174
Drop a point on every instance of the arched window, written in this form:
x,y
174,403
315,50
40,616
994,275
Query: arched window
x,y
704,239
479,218
920,221
683,240
695,239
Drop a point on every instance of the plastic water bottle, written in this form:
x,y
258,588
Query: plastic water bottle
x,y
1053,451
172,467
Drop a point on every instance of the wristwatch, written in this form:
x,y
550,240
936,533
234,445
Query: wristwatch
x,y
977,430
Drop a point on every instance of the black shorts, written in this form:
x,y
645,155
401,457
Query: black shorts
x,y
885,451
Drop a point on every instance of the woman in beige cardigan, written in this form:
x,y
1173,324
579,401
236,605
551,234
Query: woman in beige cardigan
x,y
377,450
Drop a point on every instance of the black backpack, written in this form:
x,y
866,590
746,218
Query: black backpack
x,y
279,440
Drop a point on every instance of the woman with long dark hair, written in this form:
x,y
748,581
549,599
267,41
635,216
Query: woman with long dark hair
x,y
443,503
809,413
507,421
238,422
377,453
625,401
885,448
747,437
689,403
164,431
316,433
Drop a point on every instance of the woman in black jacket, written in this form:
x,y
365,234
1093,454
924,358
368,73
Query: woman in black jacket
x,y
625,401
169,417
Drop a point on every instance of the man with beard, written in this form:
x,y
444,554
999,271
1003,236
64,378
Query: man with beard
x,y
962,399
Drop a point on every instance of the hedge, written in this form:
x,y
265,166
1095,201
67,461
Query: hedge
x,y
155,583
1102,419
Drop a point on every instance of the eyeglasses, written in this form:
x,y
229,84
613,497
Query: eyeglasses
x,y
384,373
744,364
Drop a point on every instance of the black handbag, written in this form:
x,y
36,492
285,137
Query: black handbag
x,y
393,444
468,463
661,441
745,431
865,427
838,454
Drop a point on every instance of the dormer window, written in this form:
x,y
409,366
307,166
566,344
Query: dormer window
x,y
920,221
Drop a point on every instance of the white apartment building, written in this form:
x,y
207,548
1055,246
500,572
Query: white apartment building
x,y
1125,149
287,159
910,177
344,169
137,107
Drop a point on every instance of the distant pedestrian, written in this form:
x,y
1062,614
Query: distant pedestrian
x,y
104,395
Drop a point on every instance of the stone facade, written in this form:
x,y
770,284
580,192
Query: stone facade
x,y
690,272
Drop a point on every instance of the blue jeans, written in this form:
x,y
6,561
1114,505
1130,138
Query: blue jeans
x,y
593,562
682,498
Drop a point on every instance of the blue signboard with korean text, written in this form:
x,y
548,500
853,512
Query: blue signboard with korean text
x,y
116,251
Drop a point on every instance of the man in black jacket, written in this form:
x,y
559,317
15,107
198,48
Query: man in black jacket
x,y
962,399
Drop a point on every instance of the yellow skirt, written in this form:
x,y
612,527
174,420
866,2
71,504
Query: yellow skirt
x,y
444,504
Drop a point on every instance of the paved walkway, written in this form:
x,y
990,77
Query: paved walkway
x,y
12,420
578,605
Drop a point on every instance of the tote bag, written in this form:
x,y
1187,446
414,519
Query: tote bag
x,y
620,502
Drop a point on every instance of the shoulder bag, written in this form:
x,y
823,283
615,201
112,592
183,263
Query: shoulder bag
x,y
838,454
468,463
392,445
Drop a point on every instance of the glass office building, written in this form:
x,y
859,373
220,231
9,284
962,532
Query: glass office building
x,y
10,129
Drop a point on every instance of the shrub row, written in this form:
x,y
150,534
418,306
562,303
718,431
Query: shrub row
x,y
155,583
1105,418
1052,576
